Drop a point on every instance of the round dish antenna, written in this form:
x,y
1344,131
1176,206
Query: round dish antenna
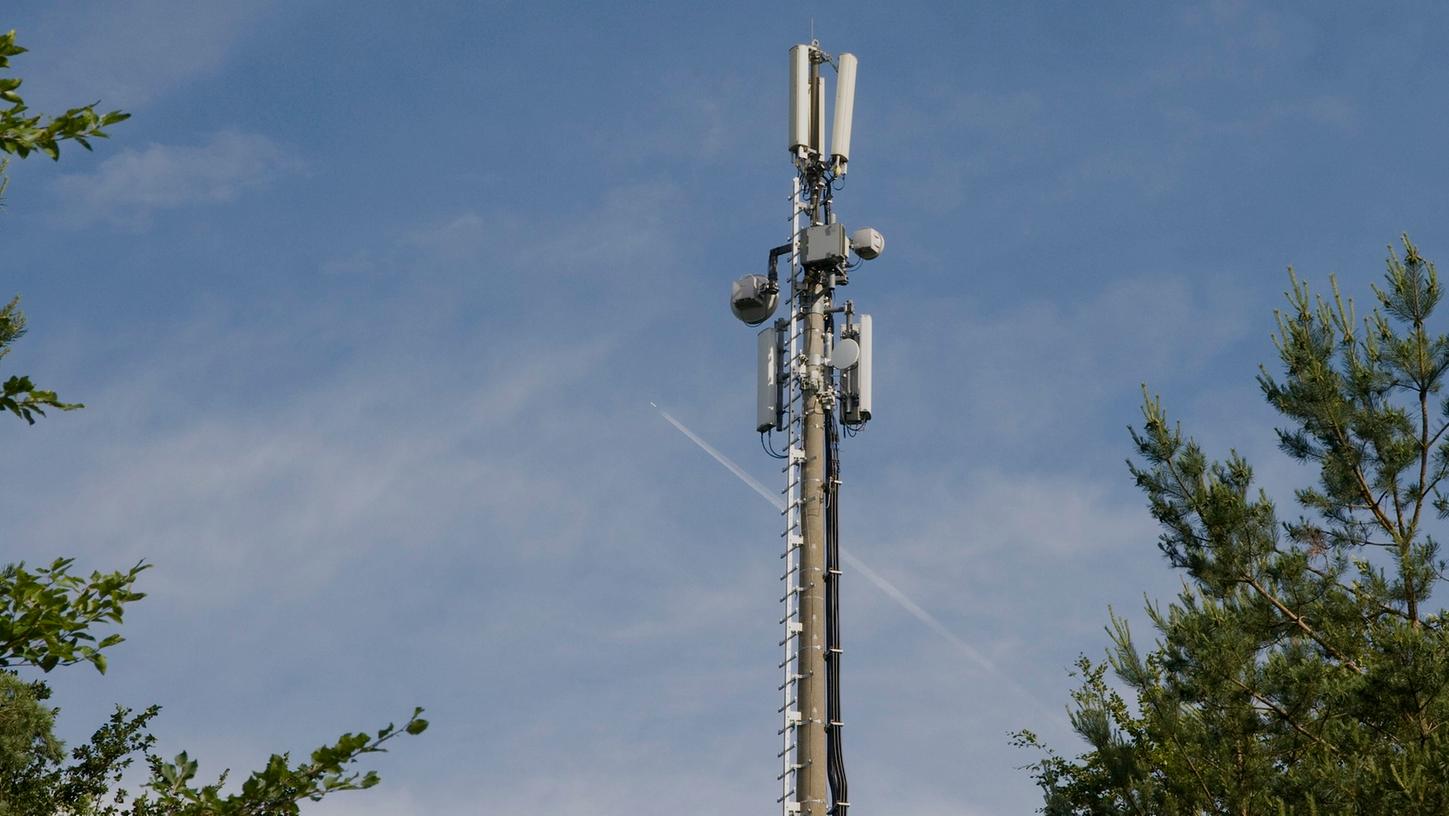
x,y
845,354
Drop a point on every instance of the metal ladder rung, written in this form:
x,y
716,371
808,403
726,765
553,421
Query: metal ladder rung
x,y
793,768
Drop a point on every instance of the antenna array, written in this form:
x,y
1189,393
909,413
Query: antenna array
x,y
806,377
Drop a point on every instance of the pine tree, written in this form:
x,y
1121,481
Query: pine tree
x,y
1303,668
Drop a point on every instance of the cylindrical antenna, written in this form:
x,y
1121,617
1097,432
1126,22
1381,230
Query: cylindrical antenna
x,y
800,103
844,112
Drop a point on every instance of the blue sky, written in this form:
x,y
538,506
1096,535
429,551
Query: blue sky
x,y
368,307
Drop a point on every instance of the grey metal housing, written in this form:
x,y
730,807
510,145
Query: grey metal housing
x,y
855,382
824,245
769,407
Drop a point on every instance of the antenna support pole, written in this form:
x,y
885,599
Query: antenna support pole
x,y
813,781
817,399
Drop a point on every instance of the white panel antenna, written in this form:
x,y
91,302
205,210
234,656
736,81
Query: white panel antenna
x,y
856,383
844,111
800,103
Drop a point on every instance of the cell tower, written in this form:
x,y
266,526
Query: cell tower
x,y
807,378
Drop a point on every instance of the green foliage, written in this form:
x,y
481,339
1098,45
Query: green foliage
x,y
34,776
46,615
18,394
275,790
23,132
1302,669
26,725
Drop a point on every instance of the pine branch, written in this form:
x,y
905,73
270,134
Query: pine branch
x,y
1366,492
1301,624
1282,714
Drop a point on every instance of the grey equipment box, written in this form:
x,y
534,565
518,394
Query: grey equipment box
x,y
823,245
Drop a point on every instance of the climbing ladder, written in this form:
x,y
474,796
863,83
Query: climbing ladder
x,y
792,367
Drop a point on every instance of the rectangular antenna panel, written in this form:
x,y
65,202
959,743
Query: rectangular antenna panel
x,y
855,381
863,370
844,111
799,97
768,406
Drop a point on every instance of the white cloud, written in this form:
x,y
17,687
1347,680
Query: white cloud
x,y
128,54
1039,374
320,479
1037,515
573,256
131,185
684,115
628,227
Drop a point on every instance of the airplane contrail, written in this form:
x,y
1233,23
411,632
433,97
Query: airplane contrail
x,y
891,590
772,498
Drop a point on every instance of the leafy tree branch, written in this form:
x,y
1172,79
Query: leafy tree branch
x,y
23,132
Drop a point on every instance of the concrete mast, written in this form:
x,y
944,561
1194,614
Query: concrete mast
x,y
811,754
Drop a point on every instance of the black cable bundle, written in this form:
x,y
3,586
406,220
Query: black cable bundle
x,y
835,766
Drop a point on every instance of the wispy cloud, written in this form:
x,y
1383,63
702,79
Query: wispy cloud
x,y
127,188
339,475
628,226
1008,370
128,54
891,591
